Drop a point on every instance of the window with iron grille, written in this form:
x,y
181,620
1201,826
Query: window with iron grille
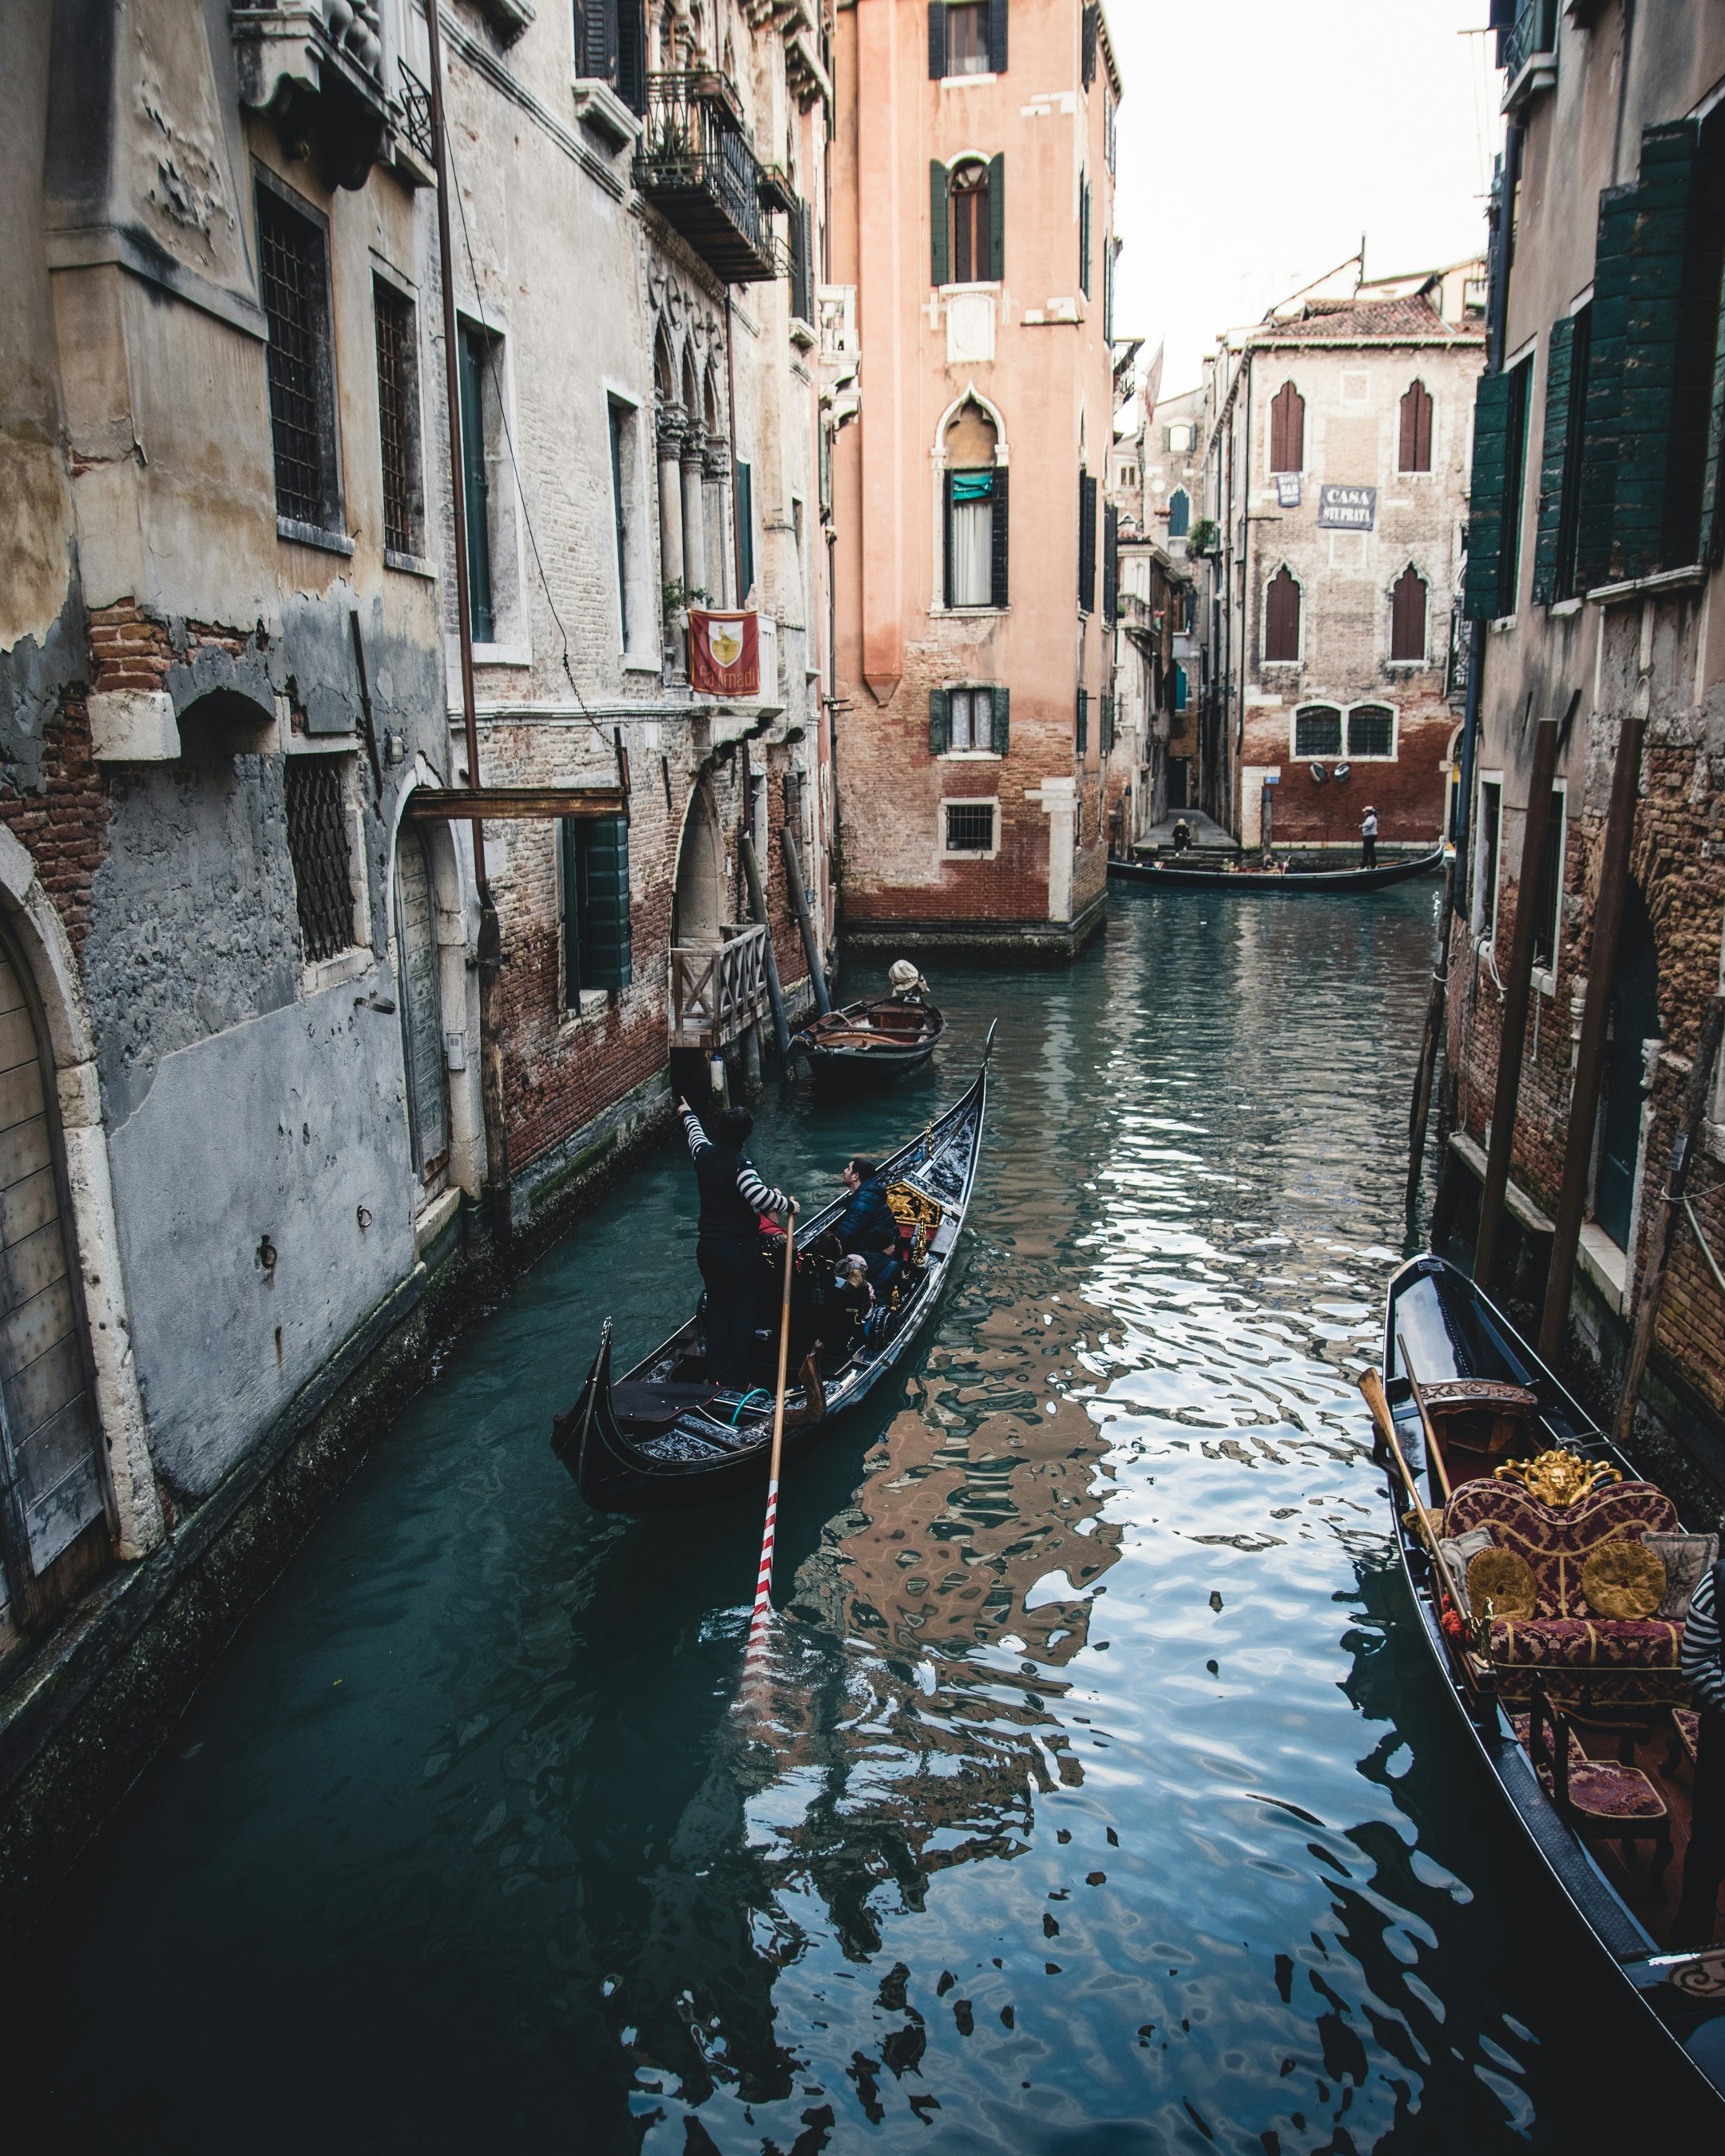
x,y
293,258
318,844
398,416
1317,730
970,827
1371,729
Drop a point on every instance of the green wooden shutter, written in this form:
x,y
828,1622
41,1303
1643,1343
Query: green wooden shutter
x,y
1087,543
1083,721
946,543
476,492
1087,63
745,499
1553,457
997,36
1111,560
938,44
1603,417
997,218
1084,237
632,54
1000,722
1652,331
608,939
1000,564
1485,505
572,875
940,217
940,732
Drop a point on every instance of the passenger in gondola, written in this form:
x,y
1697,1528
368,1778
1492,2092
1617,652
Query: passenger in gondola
x,y
867,1227
733,1198
906,984
851,1301
1704,1860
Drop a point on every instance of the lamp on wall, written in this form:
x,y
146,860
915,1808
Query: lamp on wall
x,y
1343,770
1318,774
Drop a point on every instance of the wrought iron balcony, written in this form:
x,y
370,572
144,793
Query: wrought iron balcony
x,y
719,990
696,164
1528,51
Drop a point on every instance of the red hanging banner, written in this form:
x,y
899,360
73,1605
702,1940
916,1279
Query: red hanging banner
x,y
724,654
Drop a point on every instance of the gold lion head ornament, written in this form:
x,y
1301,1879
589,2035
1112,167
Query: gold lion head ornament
x,y
1558,1478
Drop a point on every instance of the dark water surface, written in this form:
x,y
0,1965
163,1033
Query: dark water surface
x,y
1103,1800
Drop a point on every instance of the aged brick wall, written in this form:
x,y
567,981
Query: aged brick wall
x,y
1409,792
64,820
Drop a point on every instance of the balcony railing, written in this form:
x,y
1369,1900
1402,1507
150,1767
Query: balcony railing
x,y
1531,38
719,991
317,67
696,162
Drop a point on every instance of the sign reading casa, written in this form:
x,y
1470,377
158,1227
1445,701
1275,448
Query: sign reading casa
x,y
1347,509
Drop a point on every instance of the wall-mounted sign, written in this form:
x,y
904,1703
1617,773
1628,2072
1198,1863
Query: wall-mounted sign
x,y
1287,490
724,654
1347,509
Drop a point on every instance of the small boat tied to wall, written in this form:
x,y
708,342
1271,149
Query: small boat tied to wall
x,y
1289,883
881,1037
665,1435
1552,1583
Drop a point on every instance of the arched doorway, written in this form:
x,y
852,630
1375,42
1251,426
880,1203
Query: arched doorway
x,y
699,915
1635,1021
421,1001
51,1486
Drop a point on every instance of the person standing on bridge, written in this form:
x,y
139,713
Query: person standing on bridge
x,y
1368,840
728,1249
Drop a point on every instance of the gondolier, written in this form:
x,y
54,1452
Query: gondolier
x,y
1368,840
728,1251
1704,1671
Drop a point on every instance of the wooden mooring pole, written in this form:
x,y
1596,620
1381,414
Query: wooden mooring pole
x,y
1426,1073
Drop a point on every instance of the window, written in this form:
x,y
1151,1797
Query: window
x,y
1180,687
1084,219
976,519
1087,543
1414,453
1081,725
745,504
1371,731
1287,430
473,350
1494,511
611,46
1107,726
1179,437
967,37
972,257
398,419
1087,56
802,262
967,721
1558,517
1179,513
1407,619
1547,922
1110,562
1317,730
622,458
1484,870
1281,617
294,276
970,827
594,865
315,801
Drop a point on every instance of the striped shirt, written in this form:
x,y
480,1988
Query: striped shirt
x,y
749,1186
1703,1670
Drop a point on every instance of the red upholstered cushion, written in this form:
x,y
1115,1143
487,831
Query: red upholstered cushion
x,y
1599,1789
1556,1541
1587,1643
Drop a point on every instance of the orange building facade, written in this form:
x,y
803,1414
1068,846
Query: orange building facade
x,y
975,569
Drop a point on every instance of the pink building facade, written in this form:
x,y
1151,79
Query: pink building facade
x,y
976,570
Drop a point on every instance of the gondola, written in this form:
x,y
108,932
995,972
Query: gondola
x,y
1168,875
882,1037
666,1436
1583,1725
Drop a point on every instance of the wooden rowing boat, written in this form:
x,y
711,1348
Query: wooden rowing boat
x,y
665,1435
1169,876
1584,1738
880,1038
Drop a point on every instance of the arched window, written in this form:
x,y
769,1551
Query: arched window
x,y
1371,729
1282,617
1317,730
973,224
976,528
1407,616
1179,513
1287,430
1414,454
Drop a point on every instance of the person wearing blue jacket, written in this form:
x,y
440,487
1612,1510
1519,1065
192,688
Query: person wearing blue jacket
x,y
867,1226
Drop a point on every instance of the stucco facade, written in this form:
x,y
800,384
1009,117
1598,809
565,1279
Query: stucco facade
x,y
973,210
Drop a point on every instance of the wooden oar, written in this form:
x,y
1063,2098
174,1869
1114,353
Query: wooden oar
x,y
1372,1386
763,1578
1433,1448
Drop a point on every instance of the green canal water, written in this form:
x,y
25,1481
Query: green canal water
x,y
1101,1798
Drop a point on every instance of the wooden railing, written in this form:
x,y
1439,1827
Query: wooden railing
x,y
719,991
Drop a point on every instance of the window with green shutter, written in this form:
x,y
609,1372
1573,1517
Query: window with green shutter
x,y
997,218
1083,721
940,222
1087,543
1110,562
745,507
1001,736
969,719
1560,458
939,723
1603,407
1083,236
1494,510
594,870
1107,726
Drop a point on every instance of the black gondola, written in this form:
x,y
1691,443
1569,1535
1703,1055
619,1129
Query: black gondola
x,y
665,1436
882,1037
1169,876
1585,1754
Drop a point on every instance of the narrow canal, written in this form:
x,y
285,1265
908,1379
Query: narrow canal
x,y
1103,1802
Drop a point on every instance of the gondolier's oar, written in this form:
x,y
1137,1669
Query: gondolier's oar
x,y
1372,1386
763,1577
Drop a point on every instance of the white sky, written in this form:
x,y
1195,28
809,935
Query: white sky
x,y
1258,140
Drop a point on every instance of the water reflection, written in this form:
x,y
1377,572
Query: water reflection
x,y
1098,1799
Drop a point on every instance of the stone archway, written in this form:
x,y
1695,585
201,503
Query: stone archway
x,y
698,917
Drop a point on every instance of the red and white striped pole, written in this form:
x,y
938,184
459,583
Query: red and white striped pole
x,y
758,1624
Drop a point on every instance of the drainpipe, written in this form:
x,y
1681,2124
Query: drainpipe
x,y
1245,577
491,940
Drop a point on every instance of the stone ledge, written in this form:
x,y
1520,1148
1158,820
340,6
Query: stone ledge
x,y
1516,1202
1009,942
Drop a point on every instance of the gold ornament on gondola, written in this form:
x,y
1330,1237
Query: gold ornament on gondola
x,y
1558,1478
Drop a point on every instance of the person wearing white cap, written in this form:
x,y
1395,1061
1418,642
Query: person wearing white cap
x,y
1368,838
